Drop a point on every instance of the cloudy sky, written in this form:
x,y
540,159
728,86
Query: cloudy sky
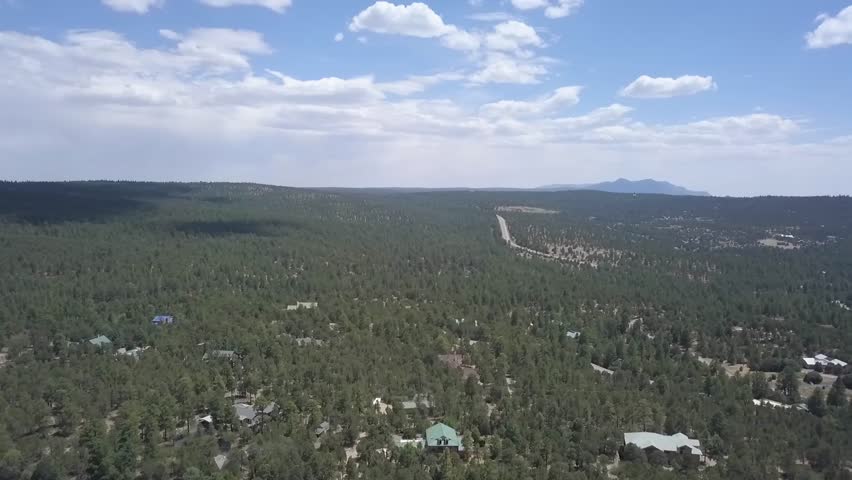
x,y
738,98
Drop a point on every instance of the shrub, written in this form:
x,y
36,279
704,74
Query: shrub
x,y
813,378
632,453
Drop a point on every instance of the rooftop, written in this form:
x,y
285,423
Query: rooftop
x,y
247,412
100,341
440,435
664,443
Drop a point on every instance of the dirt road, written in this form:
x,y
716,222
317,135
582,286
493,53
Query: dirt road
x,y
507,237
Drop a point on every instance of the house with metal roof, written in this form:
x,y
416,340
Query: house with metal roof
x,y
400,442
226,354
322,429
163,320
132,353
824,361
250,416
441,436
416,402
301,305
101,342
668,444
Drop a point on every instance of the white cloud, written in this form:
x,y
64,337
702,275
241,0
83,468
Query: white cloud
x,y
197,109
512,36
416,20
502,55
461,40
501,68
132,6
338,37
746,129
491,17
222,46
417,83
142,6
275,5
832,31
563,8
552,9
666,87
530,4
561,97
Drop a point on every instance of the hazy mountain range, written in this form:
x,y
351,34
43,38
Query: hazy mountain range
x,y
622,185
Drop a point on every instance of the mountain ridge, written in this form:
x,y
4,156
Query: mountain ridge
x,y
623,185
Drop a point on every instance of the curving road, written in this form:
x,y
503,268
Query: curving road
x,y
507,237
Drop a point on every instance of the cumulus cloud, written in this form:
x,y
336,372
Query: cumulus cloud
x,y
338,37
512,36
562,97
552,9
416,20
500,68
224,47
503,55
417,83
275,5
832,31
143,6
529,4
132,6
491,16
563,8
95,105
666,87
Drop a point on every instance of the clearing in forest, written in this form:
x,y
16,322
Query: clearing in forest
x,y
522,209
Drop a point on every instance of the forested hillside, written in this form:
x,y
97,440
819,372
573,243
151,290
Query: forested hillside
x,y
695,310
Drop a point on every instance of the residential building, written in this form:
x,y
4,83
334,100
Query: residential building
x,y
226,354
601,369
101,342
440,436
251,417
669,444
322,429
416,402
163,320
822,361
301,305
572,334
133,352
400,442
456,361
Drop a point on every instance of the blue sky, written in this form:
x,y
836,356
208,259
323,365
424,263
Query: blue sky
x,y
738,98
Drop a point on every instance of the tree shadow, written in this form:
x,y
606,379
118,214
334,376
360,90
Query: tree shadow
x,y
223,228
58,202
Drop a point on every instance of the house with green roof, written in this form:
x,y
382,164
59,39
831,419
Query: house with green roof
x,y
440,436
101,342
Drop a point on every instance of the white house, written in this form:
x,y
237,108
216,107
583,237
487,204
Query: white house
x,y
305,305
823,361
133,352
770,403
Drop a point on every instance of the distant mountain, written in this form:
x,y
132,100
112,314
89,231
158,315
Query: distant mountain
x,y
622,185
